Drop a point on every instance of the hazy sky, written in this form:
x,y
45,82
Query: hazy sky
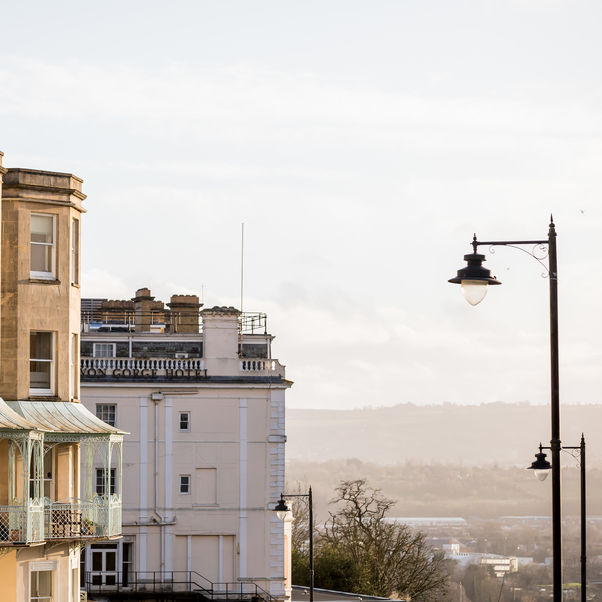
x,y
362,144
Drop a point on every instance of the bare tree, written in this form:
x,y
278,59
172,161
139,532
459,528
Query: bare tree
x,y
387,558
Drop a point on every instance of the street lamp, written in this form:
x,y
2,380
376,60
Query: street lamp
x,y
541,467
281,510
475,280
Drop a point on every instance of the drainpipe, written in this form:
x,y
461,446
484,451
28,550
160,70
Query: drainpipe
x,y
157,397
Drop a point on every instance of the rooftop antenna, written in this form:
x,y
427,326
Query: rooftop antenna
x,y
242,261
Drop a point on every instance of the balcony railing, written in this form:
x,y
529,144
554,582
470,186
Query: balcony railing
x,y
141,364
22,524
262,366
100,517
40,521
170,369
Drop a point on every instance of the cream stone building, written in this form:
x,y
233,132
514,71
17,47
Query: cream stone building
x,y
204,401
49,442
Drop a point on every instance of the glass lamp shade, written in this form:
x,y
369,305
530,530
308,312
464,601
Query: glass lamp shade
x,y
541,474
474,291
281,509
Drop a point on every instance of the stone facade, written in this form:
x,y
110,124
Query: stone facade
x,y
48,510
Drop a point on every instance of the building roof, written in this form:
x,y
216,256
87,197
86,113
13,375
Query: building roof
x,y
9,419
62,417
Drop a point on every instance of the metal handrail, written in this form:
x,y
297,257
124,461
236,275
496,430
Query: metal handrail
x,y
171,581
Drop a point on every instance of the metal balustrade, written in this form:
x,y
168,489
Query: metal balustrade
x,y
22,524
107,582
100,517
40,521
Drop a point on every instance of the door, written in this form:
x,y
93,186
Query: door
x,y
104,565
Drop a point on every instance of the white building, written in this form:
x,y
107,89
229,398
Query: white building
x,y
204,464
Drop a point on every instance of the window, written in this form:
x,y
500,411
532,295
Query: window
x,y
185,484
75,251
103,350
41,363
100,481
106,412
42,252
254,350
74,366
185,421
41,586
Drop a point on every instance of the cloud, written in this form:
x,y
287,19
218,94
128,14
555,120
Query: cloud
x,y
99,283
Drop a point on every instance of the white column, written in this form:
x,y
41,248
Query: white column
x,y
168,469
189,553
141,543
220,560
169,537
242,536
143,493
141,540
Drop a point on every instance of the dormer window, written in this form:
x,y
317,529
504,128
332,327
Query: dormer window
x,y
42,247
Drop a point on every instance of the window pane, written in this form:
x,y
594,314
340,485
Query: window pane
x,y
39,375
75,251
40,345
41,585
97,561
41,228
41,258
104,349
106,412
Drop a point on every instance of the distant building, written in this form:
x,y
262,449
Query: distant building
x,y
204,401
499,564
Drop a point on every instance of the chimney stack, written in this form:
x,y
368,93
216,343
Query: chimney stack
x,y
143,303
184,313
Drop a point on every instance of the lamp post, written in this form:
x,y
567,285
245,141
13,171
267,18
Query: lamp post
x,y
281,510
475,280
541,467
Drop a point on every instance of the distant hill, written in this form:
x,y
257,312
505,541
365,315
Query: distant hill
x,y
444,460
506,434
449,489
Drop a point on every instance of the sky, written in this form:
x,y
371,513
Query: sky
x,y
362,144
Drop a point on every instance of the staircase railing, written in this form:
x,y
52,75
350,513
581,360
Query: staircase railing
x,y
107,582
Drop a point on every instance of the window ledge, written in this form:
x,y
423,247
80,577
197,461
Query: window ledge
x,y
44,281
75,284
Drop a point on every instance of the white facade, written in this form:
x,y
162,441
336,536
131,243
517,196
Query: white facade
x,y
204,464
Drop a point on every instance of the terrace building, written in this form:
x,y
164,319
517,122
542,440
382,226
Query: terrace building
x,y
204,401
49,443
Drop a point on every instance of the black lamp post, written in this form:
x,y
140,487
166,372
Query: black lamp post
x,y
475,280
281,510
541,467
